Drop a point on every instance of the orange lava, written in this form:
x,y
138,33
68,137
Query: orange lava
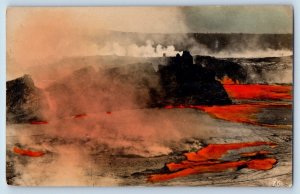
x,y
196,170
80,116
242,113
216,151
227,80
208,160
258,92
28,152
169,107
172,166
256,164
265,164
38,122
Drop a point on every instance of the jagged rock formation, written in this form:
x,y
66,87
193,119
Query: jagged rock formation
x,y
222,68
190,84
24,100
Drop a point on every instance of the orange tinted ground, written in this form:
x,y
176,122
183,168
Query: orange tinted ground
x,y
208,160
30,153
258,92
78,116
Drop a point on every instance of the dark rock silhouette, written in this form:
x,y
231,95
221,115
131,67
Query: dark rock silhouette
x,y
23,100
184,82
222,68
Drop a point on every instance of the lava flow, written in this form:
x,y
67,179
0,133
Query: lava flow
x,y
258,91
242,113
30,153
228,80
216,151
209,160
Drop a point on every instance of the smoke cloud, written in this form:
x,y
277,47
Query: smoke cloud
x,y
147,50
39,36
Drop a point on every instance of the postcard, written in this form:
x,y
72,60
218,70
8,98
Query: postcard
x,y
149,96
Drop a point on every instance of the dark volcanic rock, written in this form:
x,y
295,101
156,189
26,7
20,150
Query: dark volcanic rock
x,y
190,84
23,100
222,68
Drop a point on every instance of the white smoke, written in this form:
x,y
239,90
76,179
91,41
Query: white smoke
x,y
149,49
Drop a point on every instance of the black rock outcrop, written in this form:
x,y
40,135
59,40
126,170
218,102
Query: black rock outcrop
x,y
186,83
24,101
222,67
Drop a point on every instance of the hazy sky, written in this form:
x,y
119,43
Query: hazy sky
x,y
239,19
43,35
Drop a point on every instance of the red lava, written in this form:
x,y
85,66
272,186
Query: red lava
x,y
39,122
208,160
242,113
79,116
108,112
227,80
30,153
216,151
258,91
257,164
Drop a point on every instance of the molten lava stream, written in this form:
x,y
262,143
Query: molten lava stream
x,y
242,113
216,151
258,92
256,164
27,152
209,160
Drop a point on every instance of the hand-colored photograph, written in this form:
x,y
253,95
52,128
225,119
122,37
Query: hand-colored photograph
x,y
149,96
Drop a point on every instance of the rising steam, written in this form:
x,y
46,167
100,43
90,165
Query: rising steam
x,y
133,50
